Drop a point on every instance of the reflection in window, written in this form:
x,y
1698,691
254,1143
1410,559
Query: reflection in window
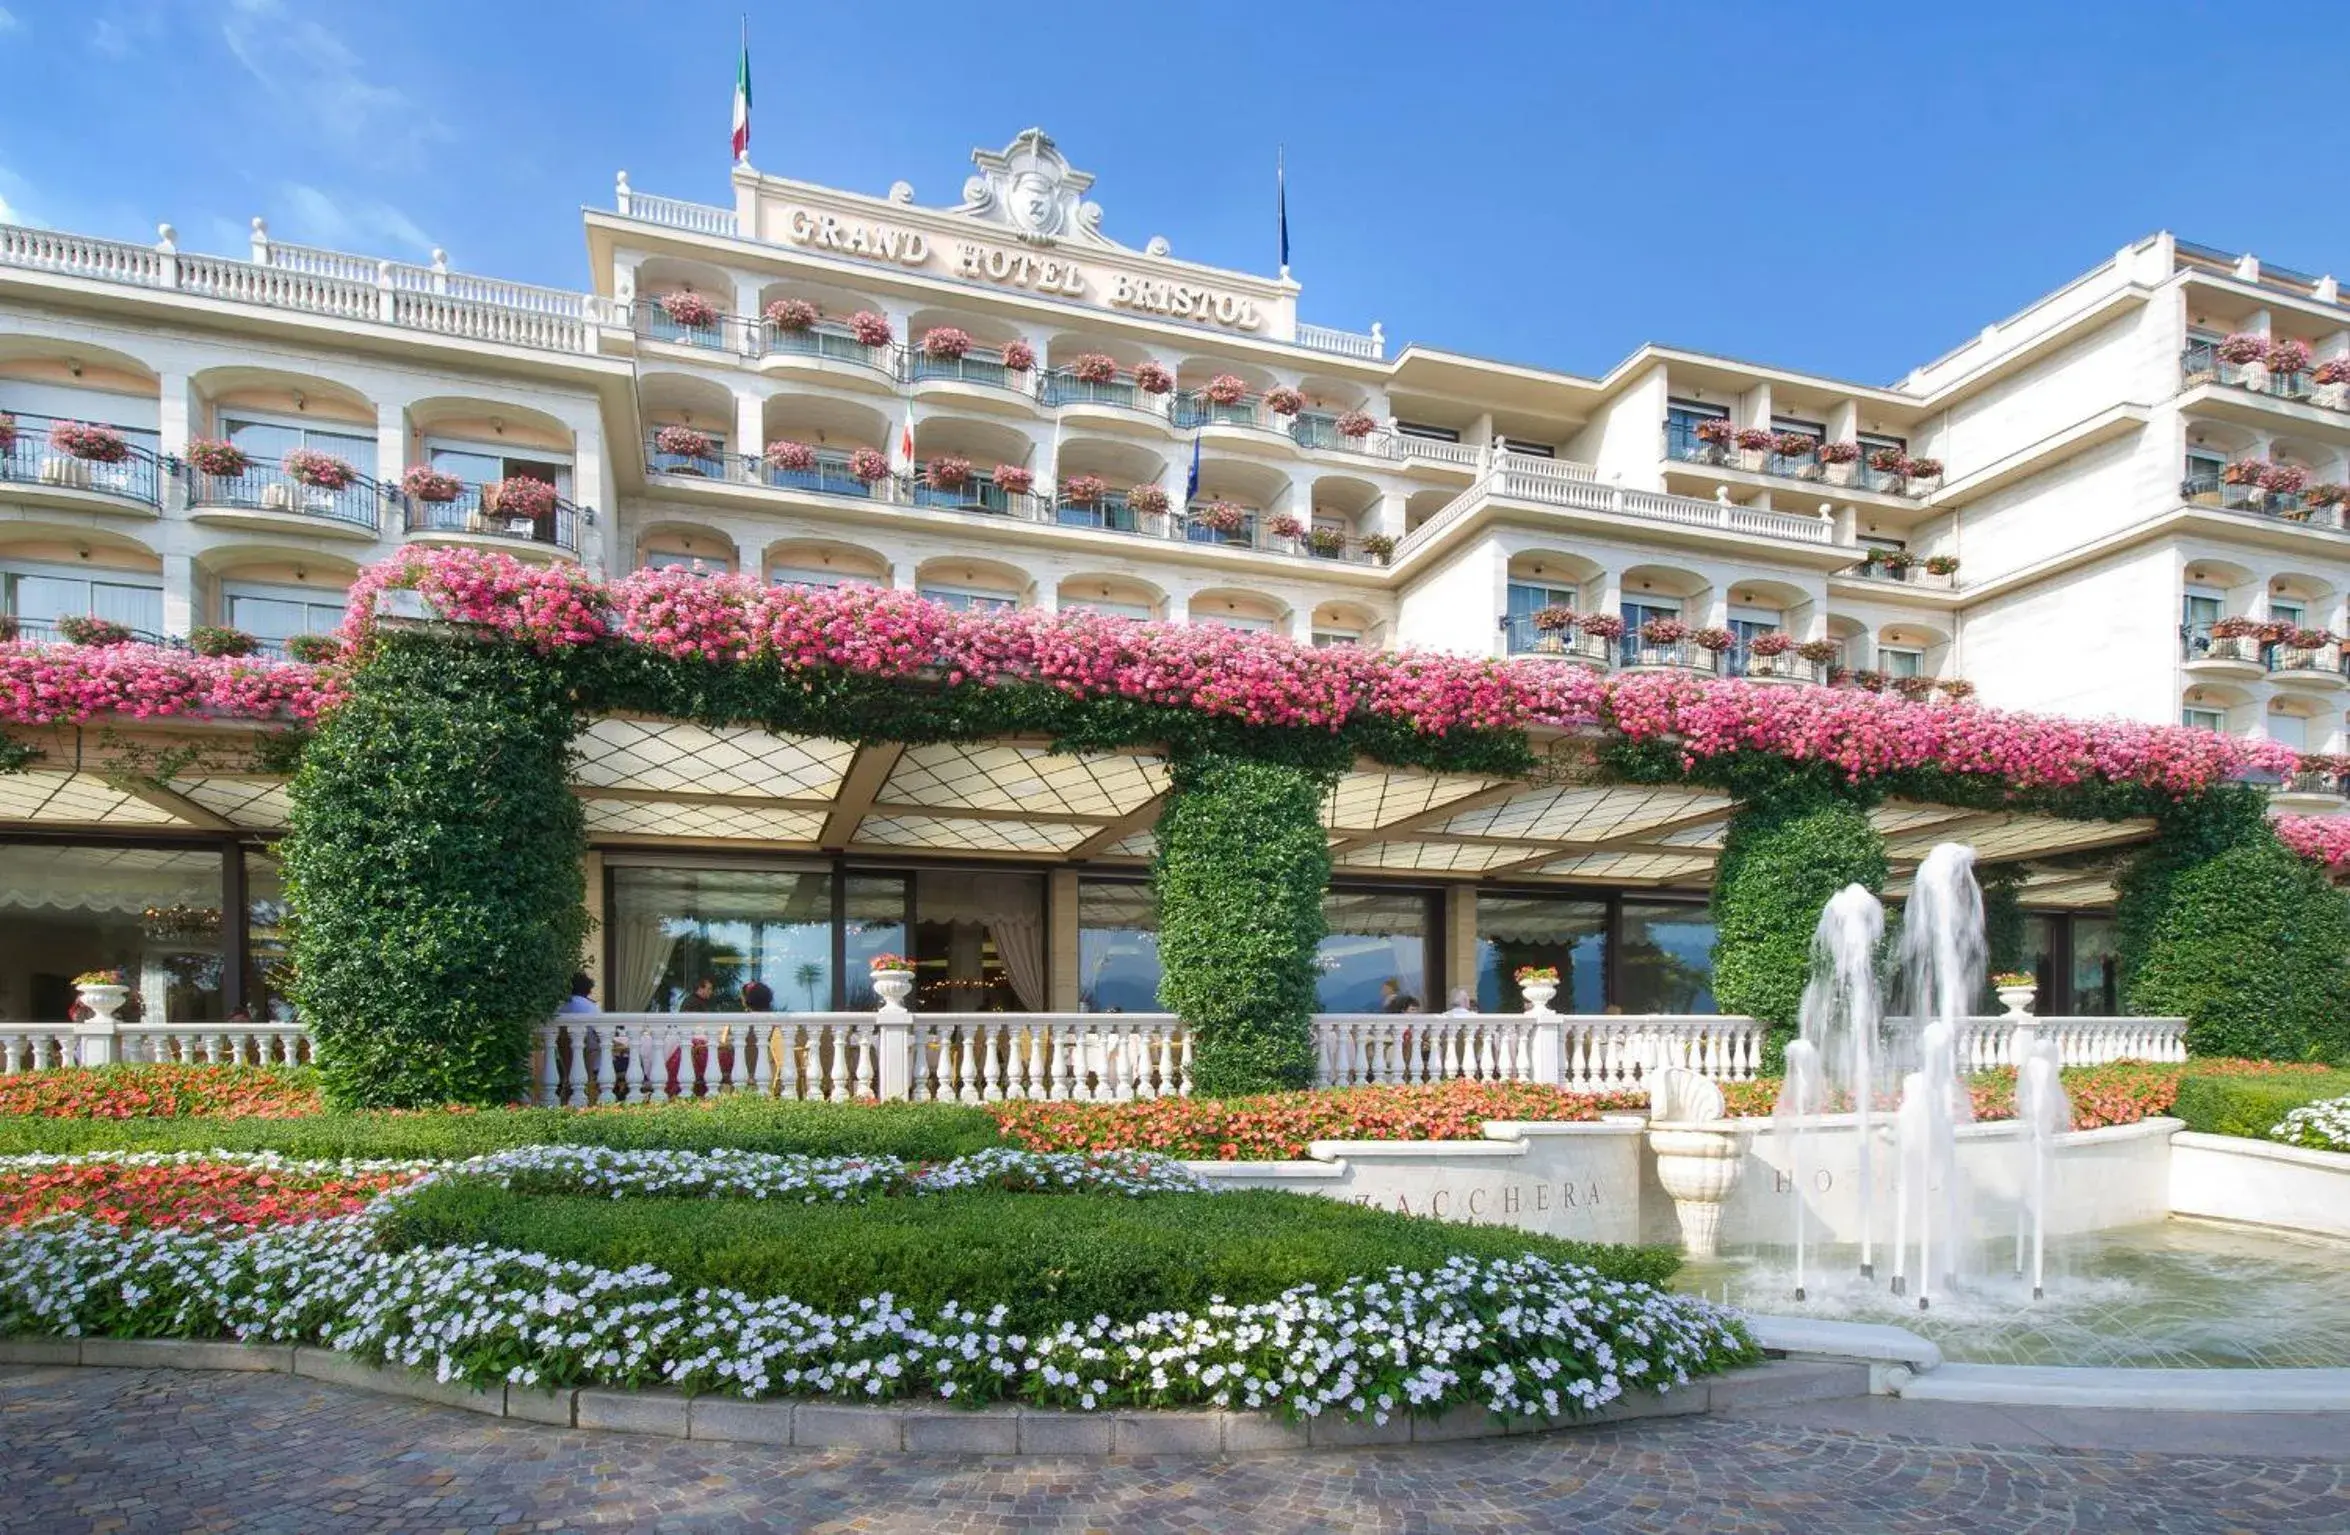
x,y
2039,958
2096,967
1666,964
1514,931
1117,947
876,916
269,940
690,939
152,913
1375,956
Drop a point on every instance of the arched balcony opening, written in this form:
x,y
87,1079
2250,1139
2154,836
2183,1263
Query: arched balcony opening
x,y
2219,706
702,414
1912,657
1424,504
480,446
1112,596
276,594
824,564
1113,485
1237,608
825,328
46,384
966,464
1242,503
824,444
1662,606
1549,593
1778,615
1346,623
964,354
687,303
1214,392
973,586
50,572
687,546
1111,380
300,448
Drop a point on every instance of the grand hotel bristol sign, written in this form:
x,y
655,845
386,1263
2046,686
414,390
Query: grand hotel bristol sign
x,y
1023,223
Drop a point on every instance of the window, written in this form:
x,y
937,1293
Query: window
x,y
1240,621
966,600
1870,442
817,576
2198,611
272,438
1567,934
1638,612
42,596
278,613
1748,624
2285,612
1682,418
1528,597
1107,608
1375,956
672,929
2203,719
2289,730
2096,954
478,465
2203,473
1901,663
1666,963
1325,637
691,564
1117,947
1817,431
1426,432
153,913
1527,449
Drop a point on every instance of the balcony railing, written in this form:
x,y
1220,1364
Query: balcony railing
x,y
1785,666
43,631
1060,388
970,368
332,284
30,460
1521,636
559,529
1112,513
2305,661
832,342
724,332
1632,650
2312,781
1197,410
2201,363
2198,643
1544,482
265,486
2210,490
1683,445
978,493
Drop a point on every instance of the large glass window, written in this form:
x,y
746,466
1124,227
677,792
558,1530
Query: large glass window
x,y
1117,947
2096,967
276,615
979,941
1666,962
152,913
1375,955
273,440
1518,930
873,914
39,598
487,466
690,940
269,940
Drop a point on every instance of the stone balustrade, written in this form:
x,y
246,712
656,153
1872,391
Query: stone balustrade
x,y
35,1046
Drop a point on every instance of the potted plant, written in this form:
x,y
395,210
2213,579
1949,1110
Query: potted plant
x,y
892,976
2326,493
2283,479
422,482
1220,517
220,459
2287,358
1800,450
319,471
1837,459
1818,652
1098,368
1754,442
314,649
88,629
79,445
1771,642
1084,489
1013,480
1956,688
945,343
2307,639
2016,990
1537,984
1225,389
1555,618
7,432
793,315
1713,639
1355,424
869,328
218,640
1327,543
1018,356
1150,378
868,466
2243,347
947,472
1915,689
519,498
790,457
1714,436
1378,546
1149,499
103,993
1663,631
2332,378
1941,564
689,309
1601,626
1898,563
1282,400
1889,461
1869,680
1283,525
681,442
1922,474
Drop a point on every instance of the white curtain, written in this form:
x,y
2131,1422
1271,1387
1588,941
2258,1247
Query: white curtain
x,y
640,953
1010,907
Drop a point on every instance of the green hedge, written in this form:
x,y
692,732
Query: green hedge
x,y
433,866
1049,1257
2222,925
1242,862
2251,1105
923,1132
1782,860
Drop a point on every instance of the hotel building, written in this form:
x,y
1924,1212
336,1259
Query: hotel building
x,y
2063,512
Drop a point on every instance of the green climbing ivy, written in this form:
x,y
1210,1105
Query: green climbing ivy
x,y
1242,862
1785,854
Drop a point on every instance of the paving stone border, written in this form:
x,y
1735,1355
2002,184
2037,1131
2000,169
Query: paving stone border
x,y
931,1428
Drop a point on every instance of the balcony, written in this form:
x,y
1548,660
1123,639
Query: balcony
x,y
2307,666
41,472
830,349
471,517
977,493
1786,666
982,372
2297,508
266,497
1521,636
2311,789
1117,397
1634,653
1683,445
1195,411
1570,487
1112,513
1903,569
2200,363
43,631
2240,656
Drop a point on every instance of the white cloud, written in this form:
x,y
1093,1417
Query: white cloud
x,y
316,217
8,21
321,82
16,199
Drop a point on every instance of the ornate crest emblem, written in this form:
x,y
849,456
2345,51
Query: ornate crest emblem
x,y
1030,188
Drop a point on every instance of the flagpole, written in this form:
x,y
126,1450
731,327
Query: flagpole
x,y
1281,201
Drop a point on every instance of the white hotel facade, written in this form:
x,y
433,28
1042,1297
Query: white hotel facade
x,y
2057,513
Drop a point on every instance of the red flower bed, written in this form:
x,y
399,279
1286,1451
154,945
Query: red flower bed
x,y
161,1092
186,1194
2121,1093
1279,1125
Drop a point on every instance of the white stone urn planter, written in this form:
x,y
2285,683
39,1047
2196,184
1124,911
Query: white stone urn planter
x,y
94,1035
102,1001
893,987
1538,995
1700,1154
2018,999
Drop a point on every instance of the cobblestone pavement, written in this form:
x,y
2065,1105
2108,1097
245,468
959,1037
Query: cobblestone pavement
x,y
125,1450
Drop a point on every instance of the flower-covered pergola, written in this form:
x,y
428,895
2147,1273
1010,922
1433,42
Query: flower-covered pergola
x,y
515,656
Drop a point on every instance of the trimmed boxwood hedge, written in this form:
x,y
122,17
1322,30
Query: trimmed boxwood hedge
x,y
1242,862
1049,1257
1784,857
919,1131
2251,1105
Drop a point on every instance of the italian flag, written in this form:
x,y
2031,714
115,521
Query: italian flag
x,y
742,103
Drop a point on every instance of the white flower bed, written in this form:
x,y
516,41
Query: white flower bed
x,y
2319,1126
812,1180
1524,1337
261,1161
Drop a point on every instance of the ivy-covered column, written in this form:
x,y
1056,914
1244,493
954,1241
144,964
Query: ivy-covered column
x,y
1785,854
1242,864
433,865
2224,926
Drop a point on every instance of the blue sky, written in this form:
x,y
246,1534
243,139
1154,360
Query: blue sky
x,y
1850,189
